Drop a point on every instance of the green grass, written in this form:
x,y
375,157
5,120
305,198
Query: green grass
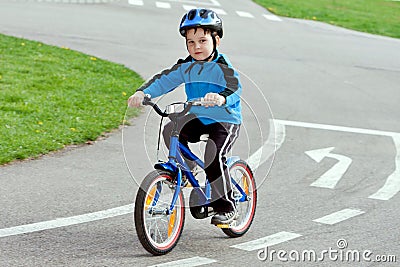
x,y
380,17
51,97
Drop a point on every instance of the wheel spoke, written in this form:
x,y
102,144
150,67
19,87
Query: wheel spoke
x,y
246,193
158,230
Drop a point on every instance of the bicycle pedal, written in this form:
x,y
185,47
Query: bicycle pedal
x,y
226,225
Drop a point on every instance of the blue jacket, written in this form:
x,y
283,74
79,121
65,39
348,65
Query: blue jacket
x,y
200,78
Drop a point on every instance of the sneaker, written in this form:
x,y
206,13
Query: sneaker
x,y
224,217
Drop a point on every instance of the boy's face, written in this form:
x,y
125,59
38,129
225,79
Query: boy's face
x,y
199,43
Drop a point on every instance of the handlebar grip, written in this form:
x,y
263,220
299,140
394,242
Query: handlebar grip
x,y
147,100
202,102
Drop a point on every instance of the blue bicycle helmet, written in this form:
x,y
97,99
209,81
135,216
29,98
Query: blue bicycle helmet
x,y
200,17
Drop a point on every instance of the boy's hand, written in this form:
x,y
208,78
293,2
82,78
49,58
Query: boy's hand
x,y
136,99
218,99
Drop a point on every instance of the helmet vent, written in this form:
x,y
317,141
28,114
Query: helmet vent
x,y
192,14
203,13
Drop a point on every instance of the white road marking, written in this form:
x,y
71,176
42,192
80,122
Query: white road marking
x,y
189,6
136,2
392,185
267,241
195,261
62,222
339,216
335,128
272,17
331,177
163,5
210,3
215,2
244,14
219,11
273,143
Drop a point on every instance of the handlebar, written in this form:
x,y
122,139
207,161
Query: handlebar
x,y
188,105
147,102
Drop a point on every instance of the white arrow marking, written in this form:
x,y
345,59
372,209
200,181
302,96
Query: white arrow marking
x,y
330,178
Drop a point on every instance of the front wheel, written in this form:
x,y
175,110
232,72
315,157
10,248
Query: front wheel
x,y
158,229
242,177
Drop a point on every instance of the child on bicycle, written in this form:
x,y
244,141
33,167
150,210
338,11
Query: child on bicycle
x,y
209,74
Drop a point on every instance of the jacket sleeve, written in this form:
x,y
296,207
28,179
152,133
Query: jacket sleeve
x,y
164,82
233,88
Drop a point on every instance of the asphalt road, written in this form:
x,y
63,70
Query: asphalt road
x,y
327,87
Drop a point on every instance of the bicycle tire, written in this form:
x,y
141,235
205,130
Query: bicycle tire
x,y
247,208
158,239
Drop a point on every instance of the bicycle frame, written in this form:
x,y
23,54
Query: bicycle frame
x,y
176,151
177,165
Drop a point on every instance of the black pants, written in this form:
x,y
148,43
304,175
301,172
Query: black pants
x,y
221,138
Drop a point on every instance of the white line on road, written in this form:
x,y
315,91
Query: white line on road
x,y
195,261
136,2
215,2
219,11
274,142
61,222
336,128
339,216
267,241
163,5
272,17
392,185
244,14
210,3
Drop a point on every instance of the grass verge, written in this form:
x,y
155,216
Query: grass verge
x,y
51,97
380,17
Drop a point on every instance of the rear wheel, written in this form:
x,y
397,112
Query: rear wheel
x,y
241,173
158,229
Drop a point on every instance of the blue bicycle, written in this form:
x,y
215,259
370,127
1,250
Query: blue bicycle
x,y
159,207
